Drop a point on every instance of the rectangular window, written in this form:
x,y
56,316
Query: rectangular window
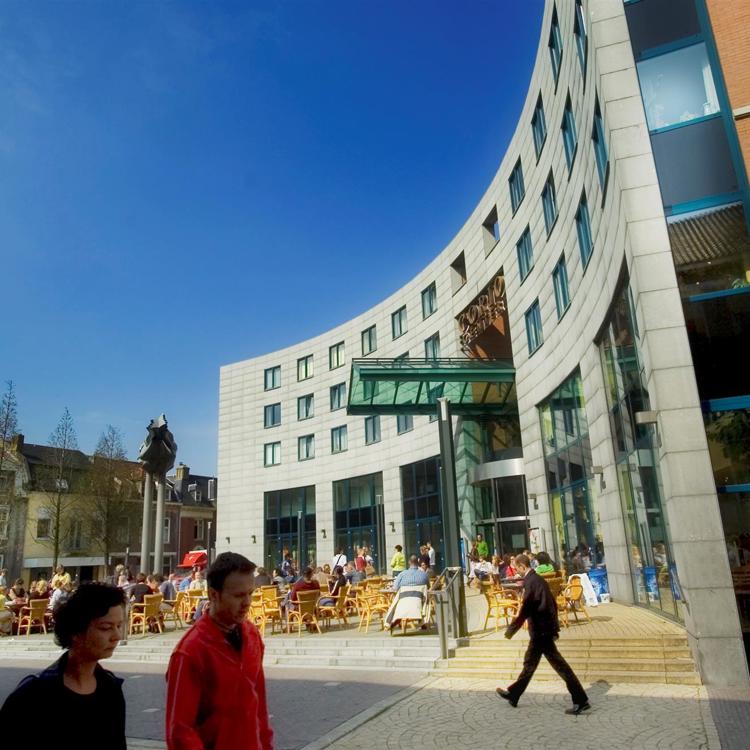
x,y
579,31
338,439
516,186
305,447
539,127
525,254
398,322
534,327
272,378
583,229
432,347
4,521
306,406
272,415
560,283
491,231
338,396
458,273
372,430
43,528
199,528
336,356
76,533
429,301
549,203
678,87
369,340
600,145
165,531
305,367
569,135
555,45
272,454
404,423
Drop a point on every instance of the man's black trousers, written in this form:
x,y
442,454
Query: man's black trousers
x,y
544,645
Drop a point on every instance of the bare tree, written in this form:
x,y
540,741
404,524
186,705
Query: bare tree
x,y
8,430
59,478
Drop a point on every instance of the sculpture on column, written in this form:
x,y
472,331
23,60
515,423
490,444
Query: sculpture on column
x,y
157,455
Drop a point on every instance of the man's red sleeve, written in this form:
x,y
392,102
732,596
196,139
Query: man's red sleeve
x,y
264,727
183,700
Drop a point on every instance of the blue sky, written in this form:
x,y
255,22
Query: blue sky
x,y
167,170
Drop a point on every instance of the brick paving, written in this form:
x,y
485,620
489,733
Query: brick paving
x,y
730,708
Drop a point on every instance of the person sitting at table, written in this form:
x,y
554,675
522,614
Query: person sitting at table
x,y
336,585
6,616
59,595
321,578
17,591
353,575
140,589
278,577
544,563
40,591
262,578
510,570
412,576
61,575
306,583
483,569
198,583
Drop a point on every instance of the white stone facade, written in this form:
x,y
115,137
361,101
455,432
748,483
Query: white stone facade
x,y
628,226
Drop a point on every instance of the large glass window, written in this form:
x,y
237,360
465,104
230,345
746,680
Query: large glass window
x,y
272,454
398,322
420,491
579,30
555,45
306,406
599,141
549,203
525,253
272,415
404,423
305,447
283,511
272,378
534,335
432,347
491,231
560,283
429,300
539,127
372,430
678,87
305,367
570,138
369,340
338,396
358,517
336,356
583,230
338,439
516,186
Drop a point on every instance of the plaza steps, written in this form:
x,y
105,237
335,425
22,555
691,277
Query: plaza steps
x,y
664,659
409,653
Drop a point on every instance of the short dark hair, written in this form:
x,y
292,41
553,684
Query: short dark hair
x,y
307,573
413,560
543,558
523,560
91,600
223,565
399,547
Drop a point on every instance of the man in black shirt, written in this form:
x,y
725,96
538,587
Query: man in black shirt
x,y
140,589
540,609
89,626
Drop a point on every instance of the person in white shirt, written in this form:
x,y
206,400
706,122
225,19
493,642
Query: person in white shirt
x,y
338,559
199,582
431,553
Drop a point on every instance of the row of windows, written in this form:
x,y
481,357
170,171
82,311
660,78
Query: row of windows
x,y
339,440
337,352
337,393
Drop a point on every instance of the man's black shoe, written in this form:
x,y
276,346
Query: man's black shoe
x,y
578,708
505,695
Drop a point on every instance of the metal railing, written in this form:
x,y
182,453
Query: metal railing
x,y
450,607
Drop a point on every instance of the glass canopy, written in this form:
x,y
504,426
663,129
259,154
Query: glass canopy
x,y
413,386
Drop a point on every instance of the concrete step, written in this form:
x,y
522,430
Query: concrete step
x,y
398,663
506,676
580,664
641,652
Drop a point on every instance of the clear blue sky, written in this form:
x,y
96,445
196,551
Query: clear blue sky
x,y
167,170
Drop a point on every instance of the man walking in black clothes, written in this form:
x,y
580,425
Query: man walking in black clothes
x,y
540,609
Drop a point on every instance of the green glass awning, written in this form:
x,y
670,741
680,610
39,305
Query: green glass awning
x,y
413,386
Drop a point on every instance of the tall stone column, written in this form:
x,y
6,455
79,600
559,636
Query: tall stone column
x,y
161,492
148,497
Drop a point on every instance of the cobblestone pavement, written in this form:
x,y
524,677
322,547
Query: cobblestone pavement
x,y
730,708
455,713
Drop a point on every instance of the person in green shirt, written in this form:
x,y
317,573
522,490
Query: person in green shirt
x,y
482,549
544,563
398,561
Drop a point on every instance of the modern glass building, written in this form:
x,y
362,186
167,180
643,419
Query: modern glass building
x,y
584,324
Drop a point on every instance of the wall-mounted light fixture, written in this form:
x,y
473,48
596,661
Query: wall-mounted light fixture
x,y
227,538
323,532
393,527
533,499
252,536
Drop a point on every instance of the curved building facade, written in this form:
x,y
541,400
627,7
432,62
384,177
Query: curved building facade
x,y
564,275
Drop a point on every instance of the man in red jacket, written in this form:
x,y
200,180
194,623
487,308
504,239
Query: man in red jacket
x,y
216,691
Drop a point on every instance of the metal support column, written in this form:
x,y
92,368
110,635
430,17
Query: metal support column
x,y
161,492
148,499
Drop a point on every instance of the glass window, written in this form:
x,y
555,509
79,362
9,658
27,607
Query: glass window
x,y
369,340
305,447
570,138
555,45
338,439
272,378
534,327
370,389
372,430
583,229
491,231
516,185
549,203
525,254
600,145
305,367
458,273
539,127
272,415
271,454
336,355
678,87
579,30
429,301
432,347
404,423
560,282
338,396
398,322
306,406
